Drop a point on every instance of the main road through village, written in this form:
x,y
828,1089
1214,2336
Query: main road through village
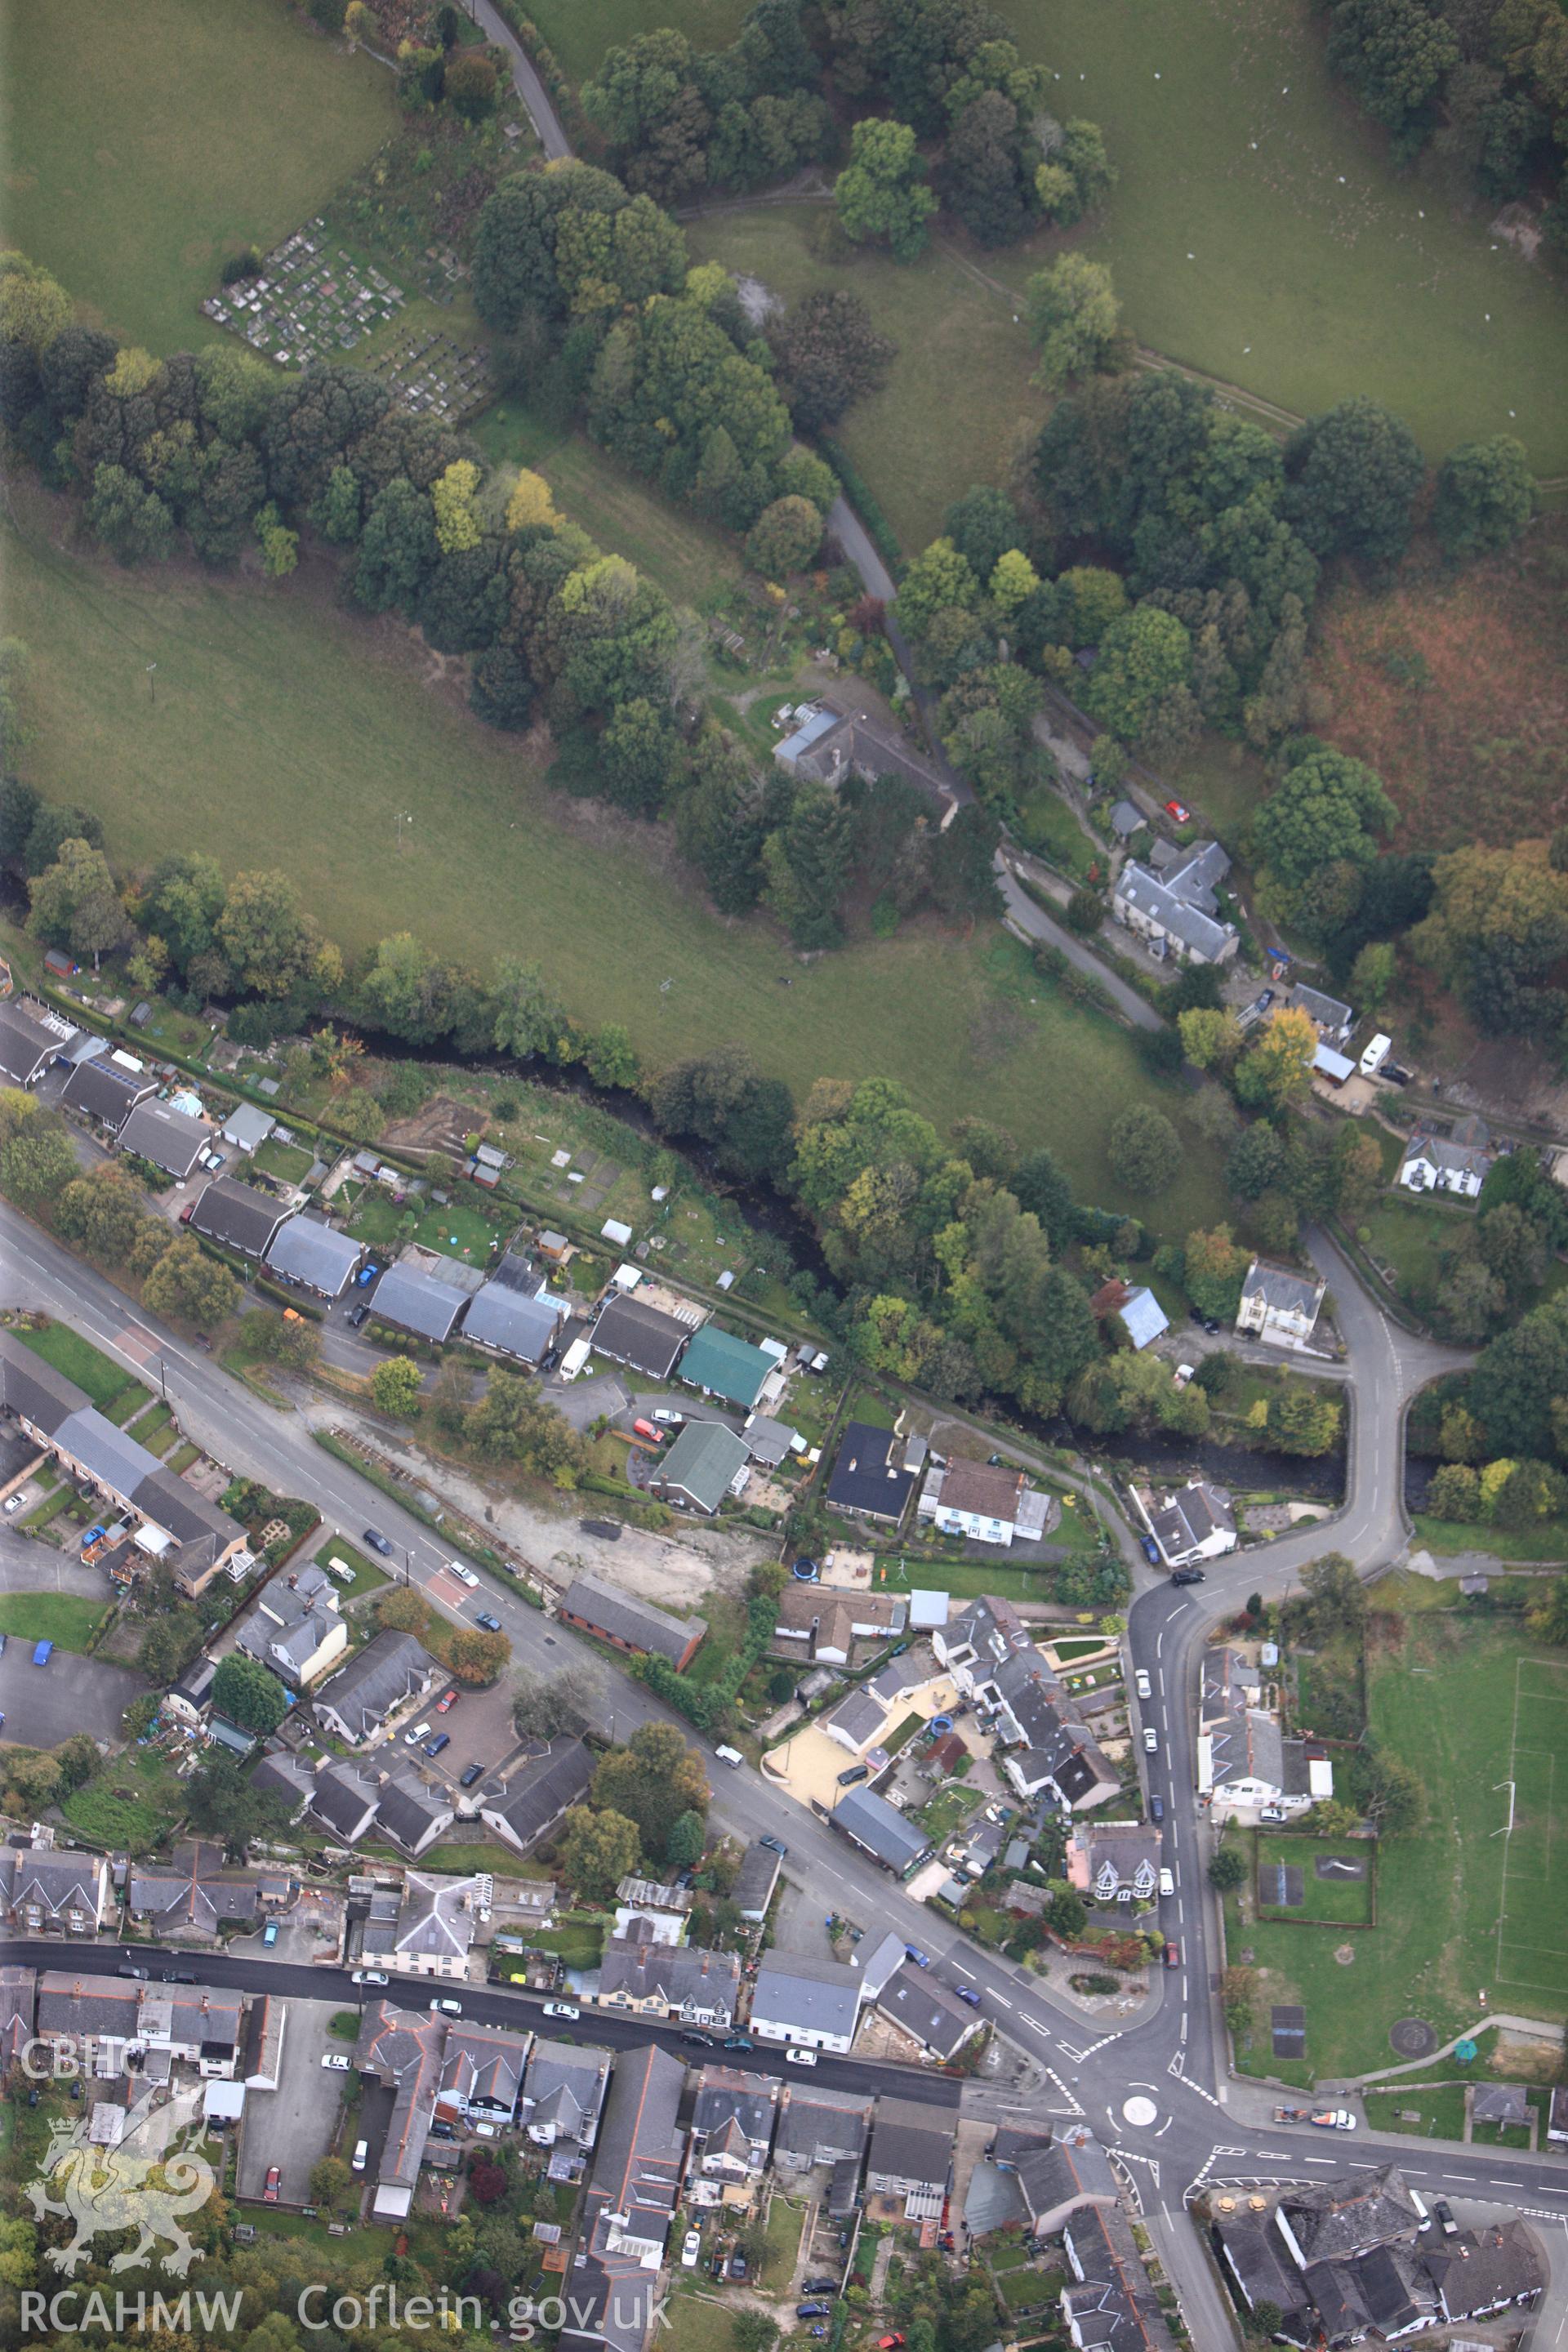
x,y
1206,2124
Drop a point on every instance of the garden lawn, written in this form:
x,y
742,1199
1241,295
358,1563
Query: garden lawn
x,y
457,1233
1439,2111
67,1619
368,1578
1339,1902
1465,1704
149,148
958,398
687,557
1259,232
104,1381
1409,1236
319,731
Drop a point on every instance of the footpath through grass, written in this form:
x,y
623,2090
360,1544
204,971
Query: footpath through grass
x,y
147,144
1467,1705
282,721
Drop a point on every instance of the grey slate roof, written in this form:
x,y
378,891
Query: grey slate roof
x,y
511,1320
1181,901
306,1251
1326,1011
1070,2169
926,2008
237,1216
911,2141
538,1791
340,1795
247,1127
26,1045
417,1302
632,1620
880,1828
797,1990
170,1139
817,2125
106,1092
408,1810
644,1337
1335,2221
192,1890
724,2094
755,1881
681,1975
1286,1293
376,1680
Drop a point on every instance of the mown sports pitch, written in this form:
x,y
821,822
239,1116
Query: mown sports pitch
x,y
1533,1918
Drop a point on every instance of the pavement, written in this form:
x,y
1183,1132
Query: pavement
x,y
1174,2053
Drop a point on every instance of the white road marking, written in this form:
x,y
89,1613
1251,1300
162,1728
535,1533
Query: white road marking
x,y
966,1972
1000,1996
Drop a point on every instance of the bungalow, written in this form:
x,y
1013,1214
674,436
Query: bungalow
x,y
166,1137
813,2003
771,1443
653,1978
105,1092
315,1256
413,1814
1195,1522
246,1126
376,1683
980,1501
631,1624
1332,1021
817,2127
236,1216
822,1624
411,1300
280,1775
512,1322
1456,1163
646,1338
191,1894
178,1524
868,1480
1279,1305
880,1829
728,1367
1175,911
858,1721
1114,1862
554,1776
706,1462
345,1799
731,2131
28,1045
911,2156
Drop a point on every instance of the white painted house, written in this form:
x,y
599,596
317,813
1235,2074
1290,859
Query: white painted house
x,y
1279,1305
1455,1164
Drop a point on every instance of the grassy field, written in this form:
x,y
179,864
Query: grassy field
x,y
1315,270
1449,1536
105,1381
580,36
958,399
689,558
148,150
1467,1705
281,720
67,1619
1336,1902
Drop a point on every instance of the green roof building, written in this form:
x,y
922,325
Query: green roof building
x,y
724,1367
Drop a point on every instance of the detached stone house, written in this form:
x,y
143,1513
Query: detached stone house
x,y
1279,1305
1171,906
982,1501
431,1932
1114,1862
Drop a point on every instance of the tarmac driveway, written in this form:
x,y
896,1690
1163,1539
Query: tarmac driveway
x,y
44,1704
295,2125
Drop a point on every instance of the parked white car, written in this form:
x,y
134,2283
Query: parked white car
x,y
336,2061
1167,1883
1142,1684
800,2057
561,2009
1151,1741
690,2247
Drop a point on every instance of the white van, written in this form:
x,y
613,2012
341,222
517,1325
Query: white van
x,y
1167,1883
412,1739
362,2157
730,1755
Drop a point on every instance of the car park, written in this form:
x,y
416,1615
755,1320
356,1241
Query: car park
x,y
335,2062
370,1977
1151,1741
491,1624
800,2057
1142,1684
561,2009
377,1542
469,1775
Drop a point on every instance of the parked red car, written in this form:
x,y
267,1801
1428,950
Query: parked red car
x,y
1180,811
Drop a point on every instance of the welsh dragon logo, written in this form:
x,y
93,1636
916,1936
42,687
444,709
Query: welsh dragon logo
x,y
151,2178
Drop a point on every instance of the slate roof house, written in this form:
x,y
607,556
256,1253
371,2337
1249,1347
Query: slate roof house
x,y
431,1932
344,1799
538,1793
659,1980
43,1893
411,1300
880,1829
1176,912
564,2087
629,1623
170,1139
246,1126
978,1500
315,1255
646,1338
822,1624
402,2049
200,2024
911,2156
412,1813
706,1462
858,1721
1456,1163
296,1627
512,1323
1045,1745
238,1216
979,1640
818,2126
1479,2272
1108,2303
1195,1522
1245,1759
1058,2174
797,1998
191,1895
829,745
1114,1862
1332,1020
278,1774
868,1480
179,1524
731,2131
929,2011
723,1366
1280,1305
104,1091
28,1045
630,2200
378,1680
